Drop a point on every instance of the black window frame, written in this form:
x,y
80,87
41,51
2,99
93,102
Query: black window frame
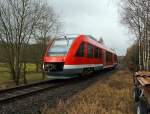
x,y
100,53
96,52
80,50
89,50
109,56
115,57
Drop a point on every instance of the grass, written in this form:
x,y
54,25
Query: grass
x,y
30,67
3,67
32,77
6,79
110,95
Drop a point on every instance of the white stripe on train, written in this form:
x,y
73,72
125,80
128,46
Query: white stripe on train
x,y
82,66
87,66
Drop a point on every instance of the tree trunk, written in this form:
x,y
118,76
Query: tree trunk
x,y
148,54
24,73
144,55
139,43
12,72
37,67
17,65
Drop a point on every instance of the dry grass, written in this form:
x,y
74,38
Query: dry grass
x,y
110,95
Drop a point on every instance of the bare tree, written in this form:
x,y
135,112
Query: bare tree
x,y
135,14
19,20
48,27
131,57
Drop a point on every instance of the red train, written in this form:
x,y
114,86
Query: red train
x,y
71,56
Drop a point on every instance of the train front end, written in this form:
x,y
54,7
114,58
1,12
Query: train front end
x,y
55,57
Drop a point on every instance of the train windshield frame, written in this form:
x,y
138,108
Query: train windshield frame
x,y
60,46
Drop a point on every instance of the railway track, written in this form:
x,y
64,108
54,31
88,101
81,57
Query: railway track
x,y
9,94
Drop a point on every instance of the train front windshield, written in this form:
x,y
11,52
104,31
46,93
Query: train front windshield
x,y
60,47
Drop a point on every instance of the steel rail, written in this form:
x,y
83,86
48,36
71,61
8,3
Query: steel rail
x,y
9,94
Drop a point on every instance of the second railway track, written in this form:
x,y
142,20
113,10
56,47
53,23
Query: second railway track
x,y
7,95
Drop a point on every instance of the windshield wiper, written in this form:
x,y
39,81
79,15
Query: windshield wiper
x,y
67,40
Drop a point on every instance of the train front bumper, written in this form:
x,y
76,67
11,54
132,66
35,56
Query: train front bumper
x,y
57,69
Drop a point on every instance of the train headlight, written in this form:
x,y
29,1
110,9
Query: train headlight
x,y
43,66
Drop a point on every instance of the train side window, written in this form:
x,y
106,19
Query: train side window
x,y
96,52
108,56
80,51
115,58
90,51
100,53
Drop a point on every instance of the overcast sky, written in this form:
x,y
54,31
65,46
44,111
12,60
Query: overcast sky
x,y
99,18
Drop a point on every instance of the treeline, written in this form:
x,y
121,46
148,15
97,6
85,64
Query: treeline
x,y
23,22
32,53
131,58
135,14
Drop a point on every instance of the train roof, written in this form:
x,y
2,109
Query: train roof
x,y
94,40
68,36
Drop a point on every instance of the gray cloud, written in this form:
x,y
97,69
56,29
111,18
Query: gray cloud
x,y
99,18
